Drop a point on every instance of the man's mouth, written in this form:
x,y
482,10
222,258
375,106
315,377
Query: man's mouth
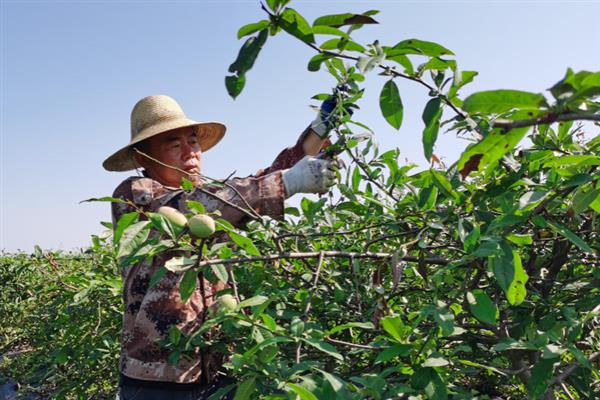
x,y
191,168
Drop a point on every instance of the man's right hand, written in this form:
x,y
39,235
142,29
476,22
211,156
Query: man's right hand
x,y
310,175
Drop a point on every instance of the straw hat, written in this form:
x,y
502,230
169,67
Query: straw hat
x,y
154,115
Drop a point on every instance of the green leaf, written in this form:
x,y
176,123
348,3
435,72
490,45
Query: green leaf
x,y
576,240
438,64
552,351
540,376
444,318
348,325
337,20
220,272
186,184
431,118
461,78
595,204
482,306
245,389
444,185
297,326
576,87
500,101
253,301
324,347
428,380
304,393
125,221
295,24
336,383
314,64
582,200
435,361
356,178
273,4
248,53
188,284
163,225
520,239
392,352
133,237
578,160
416,46
509,273
391,104
517,292
220,394
253,27
244,242
269,321
179,264
394,326
196,206
235,84
531,199
330,44
404,61
328,30
488,151
157,276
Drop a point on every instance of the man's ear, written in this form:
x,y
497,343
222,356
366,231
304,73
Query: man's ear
x,y
140,159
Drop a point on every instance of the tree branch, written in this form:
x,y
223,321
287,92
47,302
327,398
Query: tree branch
x,y
570,369
546,119
315,254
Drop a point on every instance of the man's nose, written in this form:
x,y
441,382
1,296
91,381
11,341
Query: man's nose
x,y
190,150
187,148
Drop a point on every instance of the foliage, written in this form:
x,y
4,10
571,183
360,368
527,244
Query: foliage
x,y
61,321
480,279
477,280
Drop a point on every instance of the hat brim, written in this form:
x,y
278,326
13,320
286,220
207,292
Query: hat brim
x,y
209,134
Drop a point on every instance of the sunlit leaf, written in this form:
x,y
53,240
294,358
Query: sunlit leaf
x,y
390,104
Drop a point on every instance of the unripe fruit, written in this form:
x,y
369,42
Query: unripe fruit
x,y
202,226
224,304
227,303
174,216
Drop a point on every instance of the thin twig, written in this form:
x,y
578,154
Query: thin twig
x,y
566,390
208,193
315,254
233,283
364,169
395,235
309,235
356,345
314,285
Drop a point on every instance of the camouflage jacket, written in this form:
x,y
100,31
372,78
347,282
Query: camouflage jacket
x,y
149,312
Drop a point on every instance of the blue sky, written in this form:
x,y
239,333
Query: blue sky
x,y
72,70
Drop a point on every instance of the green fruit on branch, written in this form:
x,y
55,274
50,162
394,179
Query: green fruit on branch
x,y
227,303
224,304
173,215
202,226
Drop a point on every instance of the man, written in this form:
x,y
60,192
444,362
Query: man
x,y
169,147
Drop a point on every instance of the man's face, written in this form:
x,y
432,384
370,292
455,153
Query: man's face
x,y
178,148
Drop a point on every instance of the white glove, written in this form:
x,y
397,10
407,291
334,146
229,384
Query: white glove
x,y
310,175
